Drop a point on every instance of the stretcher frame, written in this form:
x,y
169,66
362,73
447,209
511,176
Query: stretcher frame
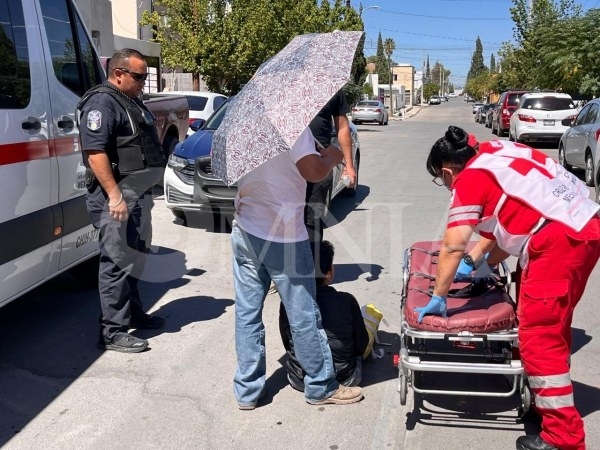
x,y
413,357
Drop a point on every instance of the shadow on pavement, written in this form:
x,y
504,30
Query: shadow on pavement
x,y
580,339
48,336
351,272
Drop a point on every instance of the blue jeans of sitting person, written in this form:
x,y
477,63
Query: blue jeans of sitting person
x,y
291,267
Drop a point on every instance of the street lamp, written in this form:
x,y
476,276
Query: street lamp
x,y
361,9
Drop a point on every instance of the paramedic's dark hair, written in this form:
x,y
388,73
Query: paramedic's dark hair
x,y
452,149
323,253
121,59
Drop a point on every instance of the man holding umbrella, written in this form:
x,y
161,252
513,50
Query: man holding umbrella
x,y
264,144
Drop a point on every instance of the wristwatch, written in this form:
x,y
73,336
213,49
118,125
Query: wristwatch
x,y
469,261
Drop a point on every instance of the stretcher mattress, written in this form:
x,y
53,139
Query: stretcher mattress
x,y
492,311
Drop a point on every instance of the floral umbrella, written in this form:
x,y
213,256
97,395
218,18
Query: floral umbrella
x,y
287,91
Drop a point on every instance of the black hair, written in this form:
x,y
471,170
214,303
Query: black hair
x,y
323,259
451,149
121,58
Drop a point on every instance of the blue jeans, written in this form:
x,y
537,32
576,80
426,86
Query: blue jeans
x,y
291,267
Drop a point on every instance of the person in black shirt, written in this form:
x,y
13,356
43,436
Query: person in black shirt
x,y
332,114
342,320
124,159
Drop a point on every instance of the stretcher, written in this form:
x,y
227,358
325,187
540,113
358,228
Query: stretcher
x,y
478,336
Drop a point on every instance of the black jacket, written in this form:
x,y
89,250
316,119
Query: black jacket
x,y
345,328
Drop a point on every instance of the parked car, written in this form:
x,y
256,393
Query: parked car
x,y
539,117
201,104
435,100
507,104
489,114
482,112
212,190
578,146
179,173
476,107
370,111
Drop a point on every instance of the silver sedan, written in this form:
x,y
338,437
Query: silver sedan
x,y
370,111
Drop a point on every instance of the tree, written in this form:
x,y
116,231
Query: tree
x,y
477,65
429,90
388,47
440,76
383,69
227,40
492,63
427,71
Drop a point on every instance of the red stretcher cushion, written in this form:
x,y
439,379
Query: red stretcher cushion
x,y
492,311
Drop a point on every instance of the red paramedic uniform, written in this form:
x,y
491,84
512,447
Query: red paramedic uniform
x,y
536,210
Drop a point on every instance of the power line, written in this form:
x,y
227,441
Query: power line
x,y
403,13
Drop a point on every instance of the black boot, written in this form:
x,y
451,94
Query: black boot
x,y
533,442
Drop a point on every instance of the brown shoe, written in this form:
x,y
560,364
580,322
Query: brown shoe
x,y
343,395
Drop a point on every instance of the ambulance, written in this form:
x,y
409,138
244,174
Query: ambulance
x,y
47,61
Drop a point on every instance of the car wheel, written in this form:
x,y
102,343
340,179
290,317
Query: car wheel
x,y
589,170
510,136
597,193
351,191
562,159
493,129
168,145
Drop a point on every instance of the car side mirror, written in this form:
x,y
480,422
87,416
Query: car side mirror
x,y
387,107
197,124
567,122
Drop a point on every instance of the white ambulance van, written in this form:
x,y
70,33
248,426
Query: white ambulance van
x,y
47,61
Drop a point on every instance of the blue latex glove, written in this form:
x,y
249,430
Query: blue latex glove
x,y
463,273
437,306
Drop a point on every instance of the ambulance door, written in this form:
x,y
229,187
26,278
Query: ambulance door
x,y
26,218
73,68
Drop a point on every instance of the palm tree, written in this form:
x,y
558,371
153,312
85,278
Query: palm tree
x,y
388,47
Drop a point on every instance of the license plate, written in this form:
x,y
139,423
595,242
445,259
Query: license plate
x,y
548,122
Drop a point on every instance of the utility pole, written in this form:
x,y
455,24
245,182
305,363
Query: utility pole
x,y
423,83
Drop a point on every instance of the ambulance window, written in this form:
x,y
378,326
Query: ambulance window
x,y
15,81
73,56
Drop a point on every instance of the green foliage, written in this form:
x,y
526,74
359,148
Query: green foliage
x,y
553,41
430,90
226,41
480,86
477,65
383,68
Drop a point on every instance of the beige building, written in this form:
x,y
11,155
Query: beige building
x,y
403,85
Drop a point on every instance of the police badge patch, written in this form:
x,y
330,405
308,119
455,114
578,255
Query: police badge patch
x,y
94,120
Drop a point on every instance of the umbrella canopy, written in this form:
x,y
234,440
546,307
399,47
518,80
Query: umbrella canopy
x,y
287,91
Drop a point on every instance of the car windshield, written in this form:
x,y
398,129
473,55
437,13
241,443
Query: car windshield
x,y
196,103
215,120
548,103
368,104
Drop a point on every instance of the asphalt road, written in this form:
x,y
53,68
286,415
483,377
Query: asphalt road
x,y
57,391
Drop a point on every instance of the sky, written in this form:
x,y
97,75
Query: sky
x,y
444,30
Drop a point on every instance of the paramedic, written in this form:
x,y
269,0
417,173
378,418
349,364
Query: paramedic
x,y
523,204
122,153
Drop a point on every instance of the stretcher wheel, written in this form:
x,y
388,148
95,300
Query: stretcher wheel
x,y
403,375
403,387
526,397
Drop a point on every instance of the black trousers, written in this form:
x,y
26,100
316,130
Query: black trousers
x,y
314,211
124,247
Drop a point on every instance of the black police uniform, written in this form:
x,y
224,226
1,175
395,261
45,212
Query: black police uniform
x,y
124,128
316,193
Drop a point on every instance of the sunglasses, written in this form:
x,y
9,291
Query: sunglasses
x,y
136,76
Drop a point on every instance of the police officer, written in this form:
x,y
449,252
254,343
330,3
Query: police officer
x,y
124,158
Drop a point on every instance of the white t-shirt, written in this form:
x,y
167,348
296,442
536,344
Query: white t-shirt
x,y
271,198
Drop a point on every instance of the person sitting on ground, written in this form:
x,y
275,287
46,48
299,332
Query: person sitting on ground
x,y
342,321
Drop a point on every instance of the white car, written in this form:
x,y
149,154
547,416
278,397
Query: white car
x,y
539,117
202,104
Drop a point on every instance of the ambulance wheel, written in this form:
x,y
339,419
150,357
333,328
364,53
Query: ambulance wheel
x,y
87,272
